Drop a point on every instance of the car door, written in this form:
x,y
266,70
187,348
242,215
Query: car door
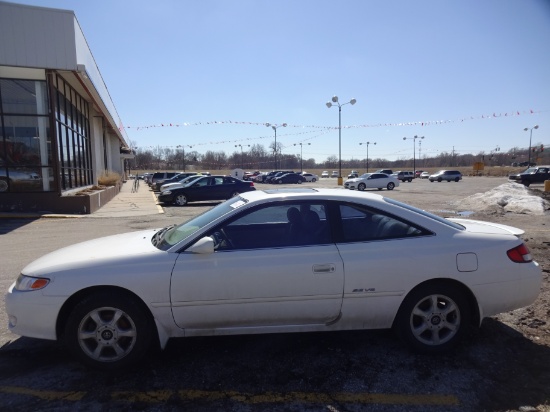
x,y
265,271
375,181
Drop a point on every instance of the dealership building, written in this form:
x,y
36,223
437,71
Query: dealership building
x,y
59,128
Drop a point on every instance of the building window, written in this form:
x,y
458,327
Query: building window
x,y
73,133
25,139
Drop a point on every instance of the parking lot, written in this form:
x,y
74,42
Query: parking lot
x,y
506,366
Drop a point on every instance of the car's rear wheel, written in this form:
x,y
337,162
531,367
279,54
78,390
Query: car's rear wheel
x,y
299,182
235,193
109,330
433,318
390,186
361,186
410,180
181,200
439,180
456,179
280,182
313,180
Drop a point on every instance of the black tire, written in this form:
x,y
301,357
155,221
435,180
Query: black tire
x,y
410,180
361,186
181,199
433,318
439,180
525,183
313,180
390,186
280,182
299,182
234,193
109,345
3,185
456,179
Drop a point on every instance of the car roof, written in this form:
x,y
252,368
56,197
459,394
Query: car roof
x,y
309,193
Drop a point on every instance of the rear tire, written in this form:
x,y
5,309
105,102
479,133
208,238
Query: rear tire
x,y
390,186
3,185
433,318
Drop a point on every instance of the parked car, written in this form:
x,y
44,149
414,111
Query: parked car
x,y
324,174
271,175
334,174
372,181
310,177
424,175
206,188
353,174
288,178
448,175
180,183
180,176
161,176
385,171
537,174
404,176
272,262
418,173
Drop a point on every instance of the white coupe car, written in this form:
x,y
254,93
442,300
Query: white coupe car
x,y
372,181
276,261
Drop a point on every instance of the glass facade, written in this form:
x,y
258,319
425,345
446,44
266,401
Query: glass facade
x,y
25,140
73,134
26,150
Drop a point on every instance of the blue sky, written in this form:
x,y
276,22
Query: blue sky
x,y
467,75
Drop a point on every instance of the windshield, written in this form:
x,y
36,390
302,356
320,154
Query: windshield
x,y
424,213
364,176
168,237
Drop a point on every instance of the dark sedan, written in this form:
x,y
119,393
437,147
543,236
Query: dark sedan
x,y
289,178
206,188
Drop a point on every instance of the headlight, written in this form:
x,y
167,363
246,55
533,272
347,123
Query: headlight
x,y
25,283
166,192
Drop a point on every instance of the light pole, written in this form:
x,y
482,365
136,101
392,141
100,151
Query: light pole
x,y
275,127
301,157
183,154
368,143
241,146
414,150
530,136
329,105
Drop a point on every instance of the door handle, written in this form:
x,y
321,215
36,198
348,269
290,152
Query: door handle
x,y
324,268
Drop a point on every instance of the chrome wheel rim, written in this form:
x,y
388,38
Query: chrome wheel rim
x,y
181,200
107,334
435,320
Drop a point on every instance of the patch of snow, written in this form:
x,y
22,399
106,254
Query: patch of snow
x,y
510,197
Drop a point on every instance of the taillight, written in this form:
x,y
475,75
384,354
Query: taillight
x,y
251,184
520,254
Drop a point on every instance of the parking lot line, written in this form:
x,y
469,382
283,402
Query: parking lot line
x,y
45,395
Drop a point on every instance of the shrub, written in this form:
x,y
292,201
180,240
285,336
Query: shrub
x,y
109,179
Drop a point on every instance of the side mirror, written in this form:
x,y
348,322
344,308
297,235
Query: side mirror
x,y
202,246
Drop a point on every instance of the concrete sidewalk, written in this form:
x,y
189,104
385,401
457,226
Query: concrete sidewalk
x,y
143,202
125,204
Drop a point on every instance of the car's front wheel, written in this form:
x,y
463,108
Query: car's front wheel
x,y
299,182
181,200
433,318
390,186
361,186
456,179
109,330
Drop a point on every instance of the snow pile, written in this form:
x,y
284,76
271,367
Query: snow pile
x,y
509,197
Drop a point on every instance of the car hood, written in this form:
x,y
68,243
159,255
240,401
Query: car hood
x,y
96,252
477,226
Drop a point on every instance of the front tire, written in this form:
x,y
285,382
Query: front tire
x,y
3,185
433,318
181,200
390,186
361,187
108,331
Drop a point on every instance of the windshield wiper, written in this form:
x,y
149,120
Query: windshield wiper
x,y
157,237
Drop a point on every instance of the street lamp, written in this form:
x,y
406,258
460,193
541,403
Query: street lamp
x,y
301,157
275,127
183,154
368,143
329,105
530,136
414,150
241,146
